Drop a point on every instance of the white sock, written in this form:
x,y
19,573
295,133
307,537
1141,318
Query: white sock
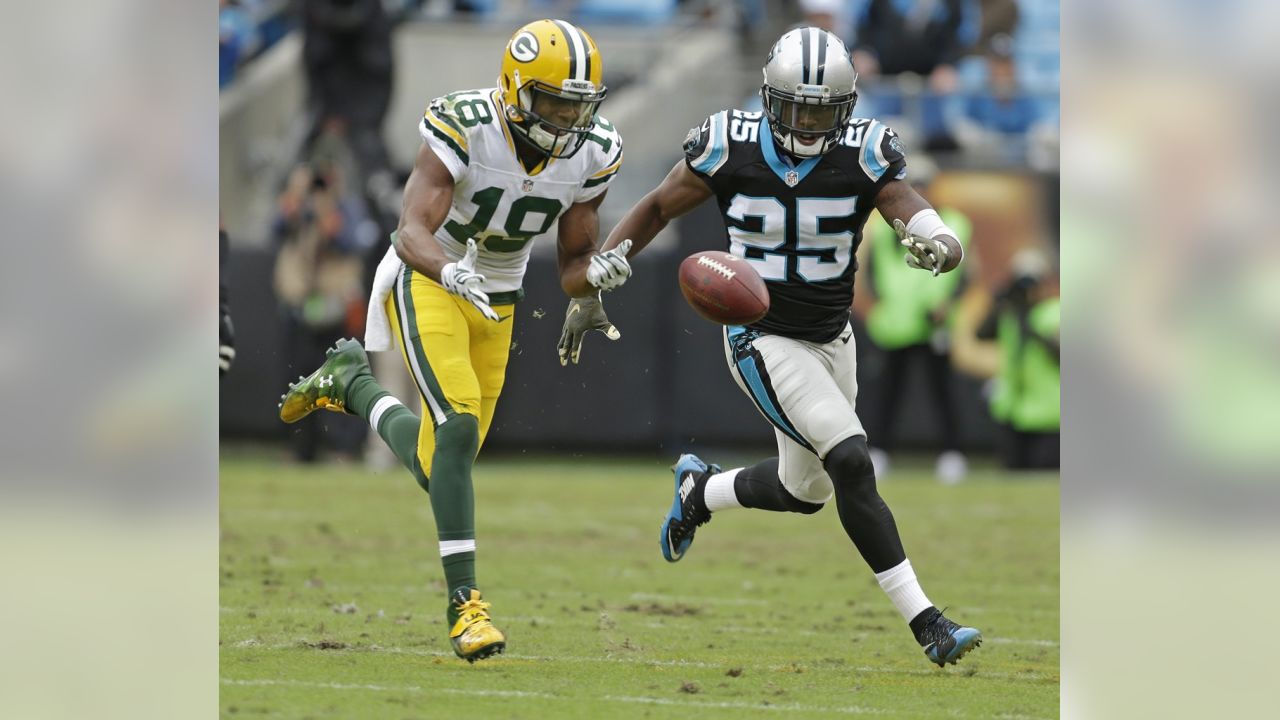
x,y
380,408
900,584
719,493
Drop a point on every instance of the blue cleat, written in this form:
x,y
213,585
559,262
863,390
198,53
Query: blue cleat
x,y
685,515
946,642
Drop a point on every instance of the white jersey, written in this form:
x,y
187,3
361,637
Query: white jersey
x,y
495,200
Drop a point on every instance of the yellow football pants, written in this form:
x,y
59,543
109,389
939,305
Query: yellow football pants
x,y
456,356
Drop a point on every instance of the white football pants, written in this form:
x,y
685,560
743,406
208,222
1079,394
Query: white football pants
x,y
807,391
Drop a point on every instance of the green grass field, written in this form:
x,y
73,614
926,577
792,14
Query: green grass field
x,y
332,600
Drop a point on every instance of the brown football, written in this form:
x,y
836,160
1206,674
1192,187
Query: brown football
x,y
723,288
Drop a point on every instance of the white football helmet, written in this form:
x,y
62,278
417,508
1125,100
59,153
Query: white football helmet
x,y
809,91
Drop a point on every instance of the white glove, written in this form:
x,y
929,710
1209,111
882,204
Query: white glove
x,y
461,279
923,253
226,356
609,270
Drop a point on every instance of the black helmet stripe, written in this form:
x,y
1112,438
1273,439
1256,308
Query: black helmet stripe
x,y
804,54
822,56
577,49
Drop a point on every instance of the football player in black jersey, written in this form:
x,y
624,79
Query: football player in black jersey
x,y
795,185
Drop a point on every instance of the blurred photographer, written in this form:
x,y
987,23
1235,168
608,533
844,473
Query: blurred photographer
x,y
1025,324
907,315
322,236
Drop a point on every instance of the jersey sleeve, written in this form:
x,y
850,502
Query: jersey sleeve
x,y
604,145
882,156
706,147
444,133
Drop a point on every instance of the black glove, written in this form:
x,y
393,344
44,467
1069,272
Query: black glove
x,y
582,316
226,332
226,344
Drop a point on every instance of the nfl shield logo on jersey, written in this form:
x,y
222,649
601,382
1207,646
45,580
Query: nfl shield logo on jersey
x,y
793,178
527,185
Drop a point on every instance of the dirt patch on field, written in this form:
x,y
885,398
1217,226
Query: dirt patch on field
x,y
672,610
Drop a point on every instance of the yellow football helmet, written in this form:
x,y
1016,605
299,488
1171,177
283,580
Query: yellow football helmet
x,y
552,82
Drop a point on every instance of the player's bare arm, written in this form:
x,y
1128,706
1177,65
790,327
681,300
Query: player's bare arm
x,y
579,230
427,197
916,221
680,192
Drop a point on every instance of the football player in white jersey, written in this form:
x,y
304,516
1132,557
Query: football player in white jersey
x,y
795,185
497,170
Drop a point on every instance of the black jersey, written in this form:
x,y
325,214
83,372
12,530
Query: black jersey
x,y
798,223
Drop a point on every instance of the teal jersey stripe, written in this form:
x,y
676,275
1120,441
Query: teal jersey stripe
x,y
760,392
877,168
779,166
716,142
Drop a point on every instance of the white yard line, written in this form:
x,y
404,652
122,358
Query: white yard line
x,y
387,688
790,707
670,702
1020,641
981,674
621,619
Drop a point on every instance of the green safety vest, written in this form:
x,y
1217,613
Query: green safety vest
x,y
905,296
1028,387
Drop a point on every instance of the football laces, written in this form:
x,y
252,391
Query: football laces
x,y
717,266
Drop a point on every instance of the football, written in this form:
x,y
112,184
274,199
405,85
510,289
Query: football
x,y
723,288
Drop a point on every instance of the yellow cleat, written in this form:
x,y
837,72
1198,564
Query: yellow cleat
x,y
473,636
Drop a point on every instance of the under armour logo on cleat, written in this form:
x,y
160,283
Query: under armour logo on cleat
x,y
325,381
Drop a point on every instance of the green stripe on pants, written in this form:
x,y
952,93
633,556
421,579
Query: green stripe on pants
x,y
438,408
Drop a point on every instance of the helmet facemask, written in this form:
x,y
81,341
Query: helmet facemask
x,y
553,120
809,122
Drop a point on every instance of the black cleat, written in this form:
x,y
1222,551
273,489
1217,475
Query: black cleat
x,y
945,641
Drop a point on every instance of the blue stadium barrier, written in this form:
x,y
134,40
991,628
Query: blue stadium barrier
x,y
643,12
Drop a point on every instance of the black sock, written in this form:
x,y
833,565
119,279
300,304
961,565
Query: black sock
x,y
760,487
863,513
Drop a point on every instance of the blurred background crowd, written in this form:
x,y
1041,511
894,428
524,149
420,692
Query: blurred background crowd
x,y
318,111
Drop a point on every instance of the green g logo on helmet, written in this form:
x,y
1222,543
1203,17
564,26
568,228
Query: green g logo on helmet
x,y
524,47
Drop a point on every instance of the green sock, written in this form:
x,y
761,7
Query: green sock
x,y
453,499
363,393
397,427
459,572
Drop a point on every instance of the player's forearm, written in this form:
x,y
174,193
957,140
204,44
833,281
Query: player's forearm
x,y
573,278
955,252
419,250
641,224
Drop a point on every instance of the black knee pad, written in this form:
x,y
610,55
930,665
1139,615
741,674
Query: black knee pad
x,y
849,465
